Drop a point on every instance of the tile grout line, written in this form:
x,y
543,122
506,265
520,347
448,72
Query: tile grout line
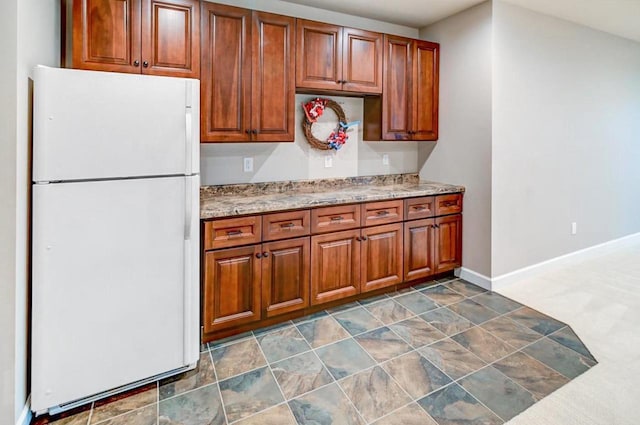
x,y
215,373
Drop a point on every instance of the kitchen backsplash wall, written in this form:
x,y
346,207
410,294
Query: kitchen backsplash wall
x,y
222,163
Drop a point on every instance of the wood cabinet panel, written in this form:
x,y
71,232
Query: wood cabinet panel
x,y
398,88
286,225
171,38
231,288
381,256
225,80
375,213
415,208
331,219
448,242
335,266
273,69
318,55
285,276
449,204
229,232
362,62
106,35
419,246
425,91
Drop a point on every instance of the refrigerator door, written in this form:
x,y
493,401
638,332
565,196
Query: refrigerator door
x,y
99,125
115,284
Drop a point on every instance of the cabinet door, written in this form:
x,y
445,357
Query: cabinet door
x,y
273,92
106,35
285,276
171,38
318,55
419,246
225,79
231,288
425,91
397,97
335,266
448,242
362,68
381,256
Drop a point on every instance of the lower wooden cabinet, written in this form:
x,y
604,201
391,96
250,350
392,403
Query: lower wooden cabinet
x,y
231,292
448,242
381,257
335,266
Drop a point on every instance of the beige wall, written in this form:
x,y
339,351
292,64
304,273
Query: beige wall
x,y
463,152
222,163
566,133
29,35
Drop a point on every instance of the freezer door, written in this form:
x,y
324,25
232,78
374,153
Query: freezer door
x,y
115,284
93,125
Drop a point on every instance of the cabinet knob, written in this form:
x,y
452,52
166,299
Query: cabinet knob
x,y
136,63
258,255
247,131
358,238
254,131
145,64
364,238
265,254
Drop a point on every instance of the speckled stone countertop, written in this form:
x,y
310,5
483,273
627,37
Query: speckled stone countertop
x,y
242,199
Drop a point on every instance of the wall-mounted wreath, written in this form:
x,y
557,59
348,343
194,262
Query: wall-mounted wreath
x,y
313,109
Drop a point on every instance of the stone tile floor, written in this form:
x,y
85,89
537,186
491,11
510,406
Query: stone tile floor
x,y
445,352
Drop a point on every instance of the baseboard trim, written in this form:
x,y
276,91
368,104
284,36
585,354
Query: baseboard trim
x,y
474,277
510,278
25,415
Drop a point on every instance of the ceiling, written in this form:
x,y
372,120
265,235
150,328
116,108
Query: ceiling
x,y
619,17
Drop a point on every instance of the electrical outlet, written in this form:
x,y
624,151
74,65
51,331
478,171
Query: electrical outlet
x,y
328,161
574,228
385,159
247,165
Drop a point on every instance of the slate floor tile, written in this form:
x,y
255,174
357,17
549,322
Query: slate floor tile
x,y
344,358
272,328
326,405
569,339
474,312
411,414
511,332
125,402
310,317
465,288
535,320
388,311
417,332
300,374
416,302
202,375
443,295
499,393
534,376
343,307
322,331
282,343
374,393
559,358
497,302
484,345
230,340
200,407
278,415
382,344
415,374
446,321
249,393
237,358
145,416
372,300
452,405
357,321
452,358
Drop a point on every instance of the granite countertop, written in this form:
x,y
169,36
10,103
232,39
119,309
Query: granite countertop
x,y
242,199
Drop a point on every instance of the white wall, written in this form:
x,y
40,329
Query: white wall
x,y
221,163
30,34
463,152
566,137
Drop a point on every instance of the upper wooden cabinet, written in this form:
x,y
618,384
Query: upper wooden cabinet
x,y
408,107
330,57
135,36
247,80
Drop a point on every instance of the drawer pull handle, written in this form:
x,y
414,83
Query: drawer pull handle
x,y
382,213
232,233
449,203
286,225
337,218
419,208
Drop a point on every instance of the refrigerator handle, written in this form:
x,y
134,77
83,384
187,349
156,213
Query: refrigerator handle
x,y
189,127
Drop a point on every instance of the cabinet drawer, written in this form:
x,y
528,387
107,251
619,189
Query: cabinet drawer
x,y
384,212
415,208
331,219
449,204
232,232
285,225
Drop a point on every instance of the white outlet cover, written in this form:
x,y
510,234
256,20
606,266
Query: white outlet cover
x,y
247,165
385,159
328,161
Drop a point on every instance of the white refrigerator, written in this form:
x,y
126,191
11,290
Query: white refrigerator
x,y
115,236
